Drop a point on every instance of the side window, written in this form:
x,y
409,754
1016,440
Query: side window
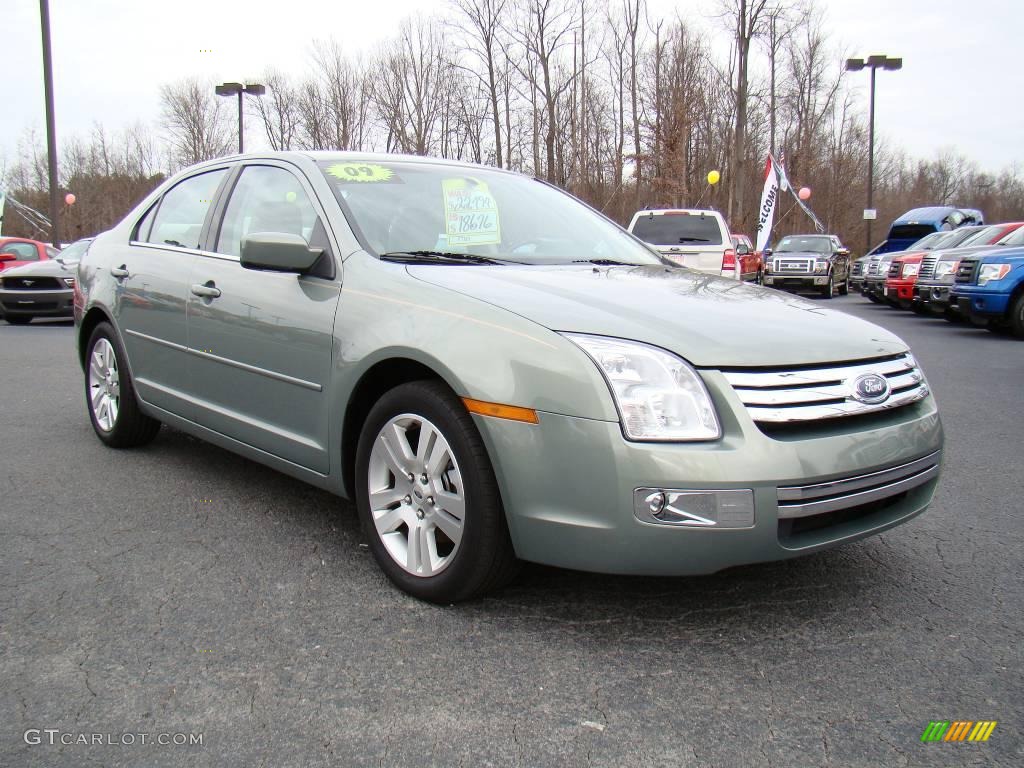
x,y
22,251
179,218
266,199
141,232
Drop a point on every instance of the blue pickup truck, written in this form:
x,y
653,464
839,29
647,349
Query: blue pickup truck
x,y
989,289
920,222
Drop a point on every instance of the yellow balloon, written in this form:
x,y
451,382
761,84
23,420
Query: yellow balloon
x,y
714,177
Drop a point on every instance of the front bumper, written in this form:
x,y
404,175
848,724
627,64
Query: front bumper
x,y
899,290
795,282
581,511
51,303
933,295
974,301
875,287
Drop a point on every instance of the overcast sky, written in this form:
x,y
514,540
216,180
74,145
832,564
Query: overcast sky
x,y
958,88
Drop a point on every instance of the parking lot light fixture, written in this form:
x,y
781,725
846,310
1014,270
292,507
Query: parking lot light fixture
x,y
874,63
232,89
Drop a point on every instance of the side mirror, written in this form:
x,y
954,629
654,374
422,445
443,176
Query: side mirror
x,y
767,251
8,257
742,249
278,251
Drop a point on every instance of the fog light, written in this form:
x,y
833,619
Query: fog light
x,y
693,508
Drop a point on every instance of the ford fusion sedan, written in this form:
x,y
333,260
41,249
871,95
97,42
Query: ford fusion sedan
x,y
43,288
495,372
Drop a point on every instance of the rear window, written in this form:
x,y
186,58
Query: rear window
x,y
910,231
675,228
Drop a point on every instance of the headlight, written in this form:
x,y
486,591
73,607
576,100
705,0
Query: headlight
x,y
944,268
69,282
658,395
820,267
909,270
993,272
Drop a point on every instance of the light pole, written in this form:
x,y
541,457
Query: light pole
x,y
51,131
230,89
855,65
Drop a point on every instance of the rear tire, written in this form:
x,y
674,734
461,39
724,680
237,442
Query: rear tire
x,y
18,319
429,502
110,393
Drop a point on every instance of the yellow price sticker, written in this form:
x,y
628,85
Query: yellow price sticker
x,y
361,172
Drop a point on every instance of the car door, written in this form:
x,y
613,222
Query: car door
x,y
151,273
261,342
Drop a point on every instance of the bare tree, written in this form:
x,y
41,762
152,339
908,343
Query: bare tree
x,y
279,110
197,126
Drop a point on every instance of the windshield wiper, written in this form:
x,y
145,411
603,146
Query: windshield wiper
x,y
693,240
607,262
441,257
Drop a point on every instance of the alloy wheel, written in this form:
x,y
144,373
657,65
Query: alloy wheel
x,y
417,498
104,385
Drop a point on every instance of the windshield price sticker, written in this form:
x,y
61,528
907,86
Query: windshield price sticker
x,y
361,172
470,213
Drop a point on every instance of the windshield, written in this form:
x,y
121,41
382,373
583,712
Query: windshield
x,y
982,235
74,252
1014,238
420,209
804,243
678,227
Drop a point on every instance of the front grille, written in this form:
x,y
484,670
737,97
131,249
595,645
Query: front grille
x,y
799,501
810,394
927,267
793,265
858,269
895,268
966,272
873,268
32,283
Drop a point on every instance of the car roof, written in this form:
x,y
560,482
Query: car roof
x,y
690,211
930,214
326,156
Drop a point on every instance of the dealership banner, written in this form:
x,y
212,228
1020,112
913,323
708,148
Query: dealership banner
x,y
769,199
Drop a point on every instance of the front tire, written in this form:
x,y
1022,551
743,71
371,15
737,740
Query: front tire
x,y
427,496
1017,317
829,291
110,393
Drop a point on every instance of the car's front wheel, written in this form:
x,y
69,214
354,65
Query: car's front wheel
x,y
829,291
110,393
427,496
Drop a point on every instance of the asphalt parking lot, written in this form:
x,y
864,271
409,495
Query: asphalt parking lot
x,y
181,589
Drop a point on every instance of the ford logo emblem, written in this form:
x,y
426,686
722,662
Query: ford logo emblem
x,y
870,388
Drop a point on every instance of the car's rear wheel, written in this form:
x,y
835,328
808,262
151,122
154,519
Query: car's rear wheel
x,y
427,496
18,319
110,393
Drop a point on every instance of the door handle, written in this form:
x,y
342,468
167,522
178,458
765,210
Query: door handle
x,y
207,291
119,272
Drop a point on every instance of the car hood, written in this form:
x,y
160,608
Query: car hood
x,y
709,320
47,268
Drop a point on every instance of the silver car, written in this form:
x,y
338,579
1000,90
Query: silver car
x,y
495,372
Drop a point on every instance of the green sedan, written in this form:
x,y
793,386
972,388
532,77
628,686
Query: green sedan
x,y
495,372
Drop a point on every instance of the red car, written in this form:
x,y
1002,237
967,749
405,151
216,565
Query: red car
x,y
16,251
900,285
744,262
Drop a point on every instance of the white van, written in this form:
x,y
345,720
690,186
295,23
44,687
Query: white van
x,y
689,237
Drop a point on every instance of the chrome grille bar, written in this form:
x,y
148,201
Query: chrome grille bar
x,y
805,500
775,396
